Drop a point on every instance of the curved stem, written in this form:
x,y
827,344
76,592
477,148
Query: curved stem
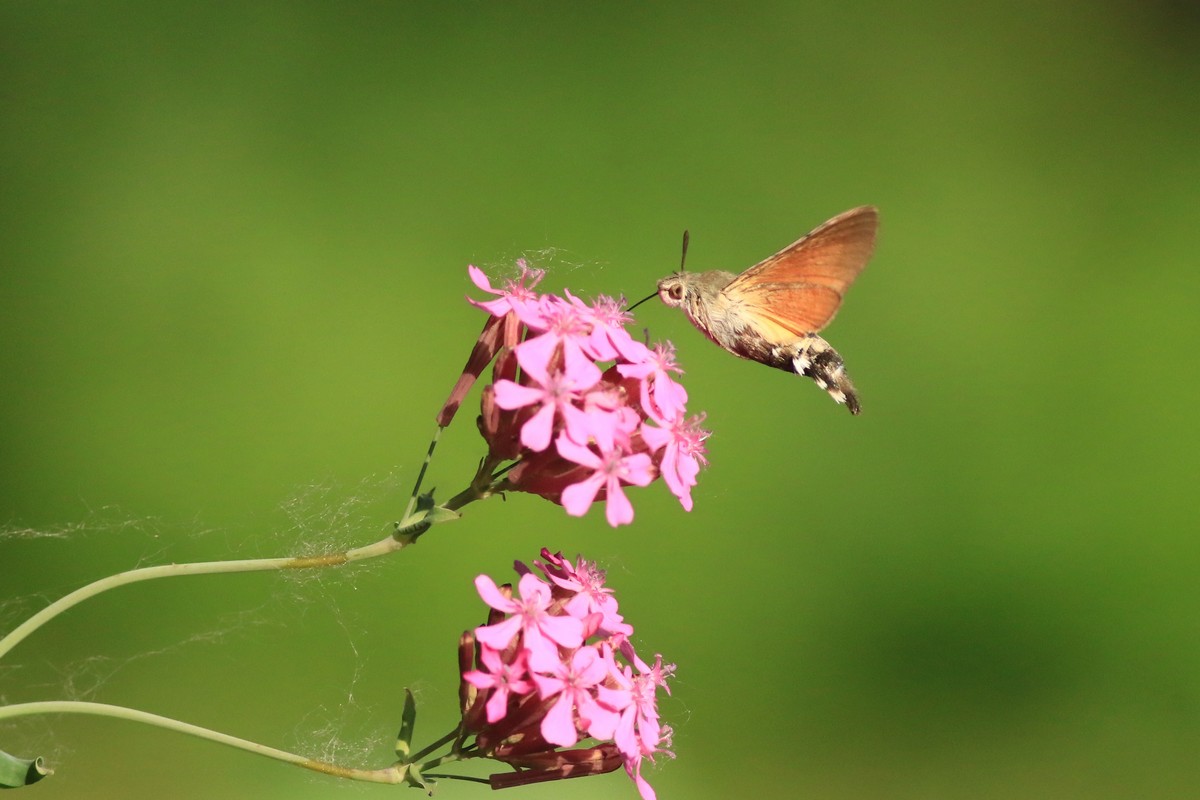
x,y
483,485
393,774
18,634
468,495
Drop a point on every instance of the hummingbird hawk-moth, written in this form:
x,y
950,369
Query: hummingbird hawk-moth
x,y
772,312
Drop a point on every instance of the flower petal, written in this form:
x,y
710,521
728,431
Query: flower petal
x,y
500,635
534,356
510,395
578,370
497,704
480,279
558,726
578,497
490,593
638,469
577,453
537,430
617,508
566,631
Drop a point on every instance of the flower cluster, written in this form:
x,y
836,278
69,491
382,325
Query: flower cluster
x,y
553,666
581,407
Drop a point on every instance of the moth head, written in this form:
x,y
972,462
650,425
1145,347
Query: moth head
x,y
673,289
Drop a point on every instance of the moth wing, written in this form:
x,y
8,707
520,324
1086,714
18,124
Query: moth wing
x,y
800,288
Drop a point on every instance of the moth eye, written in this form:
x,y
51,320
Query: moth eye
x,y
676,292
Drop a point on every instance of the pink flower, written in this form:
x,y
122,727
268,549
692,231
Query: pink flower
x,y
502,678
595,688
573,683
662,397
568,372
609,340
530,618
555,393
609,422
563,327
682,445
584,585
515,297
611,470
639,730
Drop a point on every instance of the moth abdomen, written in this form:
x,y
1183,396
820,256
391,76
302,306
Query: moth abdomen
x,y
810,356
816,358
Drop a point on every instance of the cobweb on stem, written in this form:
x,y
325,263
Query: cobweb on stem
x,y
319,518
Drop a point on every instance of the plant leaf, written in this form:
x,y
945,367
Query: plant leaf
x,y
408,721
17,772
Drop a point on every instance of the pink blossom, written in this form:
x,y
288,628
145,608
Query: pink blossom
x,y
682,445
608,422
564,328
573,682
570,372
516,297
530,618
609,340
502,678
658,674
662,397
611,470
588,594
555,393
638,734
639,730
537,706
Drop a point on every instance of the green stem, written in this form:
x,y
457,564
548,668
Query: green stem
x,y
445,776
483,485
449,758
412,501
468,495
449,737
393,774
18,634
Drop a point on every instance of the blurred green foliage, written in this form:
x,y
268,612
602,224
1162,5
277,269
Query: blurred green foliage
x,y
234,241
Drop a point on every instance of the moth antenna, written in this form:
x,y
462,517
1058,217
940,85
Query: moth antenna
x,y
682,260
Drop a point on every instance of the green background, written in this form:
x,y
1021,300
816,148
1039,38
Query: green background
x,y
234,243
